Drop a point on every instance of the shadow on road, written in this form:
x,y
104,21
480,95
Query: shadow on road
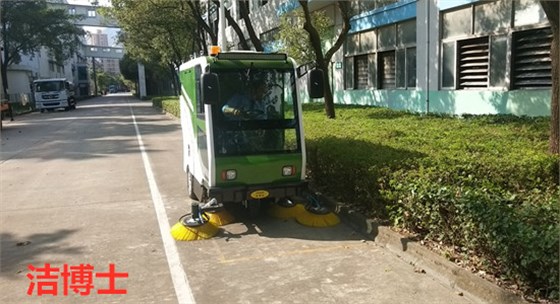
x,y
99,127
17,253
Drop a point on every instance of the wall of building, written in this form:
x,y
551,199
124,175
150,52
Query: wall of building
x,y
432,93
426,72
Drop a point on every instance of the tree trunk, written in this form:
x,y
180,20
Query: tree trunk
x,y
195,8
249,26
329,99
323,61
235,27
551,9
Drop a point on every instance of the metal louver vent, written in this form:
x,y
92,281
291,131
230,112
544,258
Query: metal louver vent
x,y
361,72
473,63
531,64
387,72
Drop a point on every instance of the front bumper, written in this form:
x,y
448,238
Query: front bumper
x,y
239,194
51,104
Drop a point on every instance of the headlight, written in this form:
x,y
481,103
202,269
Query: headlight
x,y
229,174
288,170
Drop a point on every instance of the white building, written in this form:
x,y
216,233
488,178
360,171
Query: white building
x,y
439,56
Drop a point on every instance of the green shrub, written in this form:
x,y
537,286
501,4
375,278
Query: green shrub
x,y
514,235
481,185
169,104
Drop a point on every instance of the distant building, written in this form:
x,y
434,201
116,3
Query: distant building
x,y
110,66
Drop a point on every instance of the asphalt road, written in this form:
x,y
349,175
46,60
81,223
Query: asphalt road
x,y
100,186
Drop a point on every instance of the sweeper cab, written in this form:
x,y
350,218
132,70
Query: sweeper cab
x,y
241,120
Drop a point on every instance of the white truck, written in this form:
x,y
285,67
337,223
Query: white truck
x,y
54,93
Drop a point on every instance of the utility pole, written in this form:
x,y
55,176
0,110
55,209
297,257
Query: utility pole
x,y
94,77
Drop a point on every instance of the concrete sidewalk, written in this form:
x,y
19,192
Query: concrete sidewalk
x,y
423,258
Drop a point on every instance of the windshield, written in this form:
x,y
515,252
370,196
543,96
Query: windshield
x,y
258,113
49,86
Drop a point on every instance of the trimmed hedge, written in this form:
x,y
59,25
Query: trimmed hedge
x,y
169,104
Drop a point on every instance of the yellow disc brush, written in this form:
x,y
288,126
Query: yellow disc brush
x,y
215,213
285,209
219,217
316,215
192,227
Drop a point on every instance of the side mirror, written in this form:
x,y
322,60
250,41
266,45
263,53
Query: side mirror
x,y
315,84
210,88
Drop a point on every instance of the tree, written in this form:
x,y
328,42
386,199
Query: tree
x,y
551,9
29,25
156,31
244,10
295,40
323,60
129,68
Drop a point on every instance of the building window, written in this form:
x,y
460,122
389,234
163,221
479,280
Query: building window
x,y
531,63
387,70
72,11
361,73
411,67
406,55
472,63
383,58
91,13
359,7
348,72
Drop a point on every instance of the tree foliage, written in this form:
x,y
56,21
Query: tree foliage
x,y
155,30
29,25
129,68
295,40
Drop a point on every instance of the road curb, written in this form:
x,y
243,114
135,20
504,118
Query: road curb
x,y
412,252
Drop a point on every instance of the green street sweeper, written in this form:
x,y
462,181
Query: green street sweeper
x,y
243,138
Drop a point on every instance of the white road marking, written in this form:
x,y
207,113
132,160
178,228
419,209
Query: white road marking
x,y
178,275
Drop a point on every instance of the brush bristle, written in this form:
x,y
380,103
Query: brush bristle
x,y
220,218
181,232
285,213
317,220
